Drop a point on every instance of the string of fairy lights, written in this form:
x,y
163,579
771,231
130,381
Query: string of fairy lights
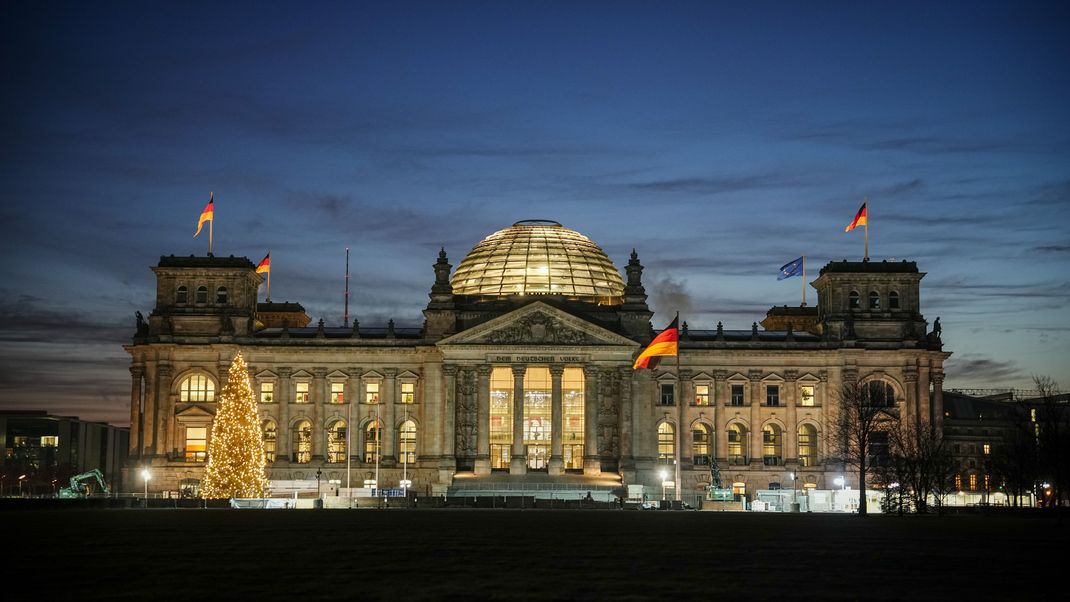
x,y
236,465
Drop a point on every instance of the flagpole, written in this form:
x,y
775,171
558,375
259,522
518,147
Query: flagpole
x,y
865,201
269,278
211,222
679,412
804,280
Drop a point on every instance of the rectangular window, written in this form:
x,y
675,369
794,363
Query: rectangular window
x,y
338,394
772,395
737,395
668,395
301,395
196,443
987,449
408,392
371,393
49,441
806,397
702,395
958,482
973,482
267,392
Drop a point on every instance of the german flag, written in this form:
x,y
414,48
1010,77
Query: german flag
x,y
264,266
662,345
206,215
860,218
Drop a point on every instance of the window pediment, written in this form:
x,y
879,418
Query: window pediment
x,y
266,375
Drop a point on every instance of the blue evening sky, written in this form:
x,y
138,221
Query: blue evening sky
x,y
719,139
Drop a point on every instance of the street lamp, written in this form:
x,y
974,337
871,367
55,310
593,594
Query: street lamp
x,y
839,481
664,475
794,493
319,473
21,479
145,476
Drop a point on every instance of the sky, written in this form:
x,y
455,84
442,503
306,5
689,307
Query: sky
x,y
718,139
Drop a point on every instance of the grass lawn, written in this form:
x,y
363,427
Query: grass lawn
x,y
528,554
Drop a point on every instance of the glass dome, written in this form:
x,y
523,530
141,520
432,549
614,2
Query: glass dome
x,y
539,257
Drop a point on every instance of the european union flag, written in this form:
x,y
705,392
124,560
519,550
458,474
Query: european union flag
x,y
792,268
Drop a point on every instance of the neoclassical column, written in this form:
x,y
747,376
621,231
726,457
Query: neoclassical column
x,y
162,407
148,410
482,463
592,462
938,399
284,396
627,453
352,398
791,438
449,417
317,391
910,386
557,461
925,406
755,431
518,461
720,416
136,428
389,420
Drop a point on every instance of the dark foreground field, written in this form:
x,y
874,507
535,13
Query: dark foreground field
x,y
513,554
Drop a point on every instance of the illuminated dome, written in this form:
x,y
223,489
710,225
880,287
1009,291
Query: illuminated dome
x,y
539,257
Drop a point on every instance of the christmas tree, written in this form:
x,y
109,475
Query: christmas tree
x,y
236,448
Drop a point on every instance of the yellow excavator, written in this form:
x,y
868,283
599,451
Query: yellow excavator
x,y
82,485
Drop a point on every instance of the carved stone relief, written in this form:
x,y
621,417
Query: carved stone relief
x,y
538,327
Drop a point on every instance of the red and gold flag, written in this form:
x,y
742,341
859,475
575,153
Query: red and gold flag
x,y
665,344
860,218
207,215
264,266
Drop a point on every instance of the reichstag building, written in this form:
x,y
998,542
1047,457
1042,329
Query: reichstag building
x,y
522,371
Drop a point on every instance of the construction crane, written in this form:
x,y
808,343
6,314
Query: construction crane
x,y
81,483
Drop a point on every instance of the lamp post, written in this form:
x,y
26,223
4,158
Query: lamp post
x,y
319,473
794,492
145,476
664,475
21,479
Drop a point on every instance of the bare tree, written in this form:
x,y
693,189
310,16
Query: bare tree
x,y
1053,441
920,462
1014,456
866,412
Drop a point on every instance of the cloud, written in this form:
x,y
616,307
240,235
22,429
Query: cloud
x,y
670,296
981,368
1052,248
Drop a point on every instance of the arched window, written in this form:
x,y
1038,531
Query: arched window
x,y
182,295
302,442
196,388
737,444
221,295
893,300
852,300
336,442
407,442
202,295
772,445
878,393
666,443
807,445
874,300
700,445
372,441
270,436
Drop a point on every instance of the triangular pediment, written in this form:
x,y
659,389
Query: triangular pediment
x,y
408,375
265,375
809,378
194,412
701,376
337,375
538,324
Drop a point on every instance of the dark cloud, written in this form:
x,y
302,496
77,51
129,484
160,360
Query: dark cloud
x,y
1052,248
973,367
668,296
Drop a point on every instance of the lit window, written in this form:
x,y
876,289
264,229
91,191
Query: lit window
x,y
668,395
806,397
807,445
407,441
336,442
988,482
772,446
408,392
300,392
737,395
267,392
987,449
270,439
372,442
973,482
202,295
700,445
49,441
371,394
196,443
666,443
338,393
302,442
958,481
702,395
736,436
182,295
772,395
221,295
196,388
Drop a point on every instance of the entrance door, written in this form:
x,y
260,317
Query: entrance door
x,y
537,456
499,456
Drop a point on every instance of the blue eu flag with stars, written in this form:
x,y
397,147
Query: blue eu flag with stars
x,y
792,268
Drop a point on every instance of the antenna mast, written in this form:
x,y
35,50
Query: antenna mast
x,y
345,317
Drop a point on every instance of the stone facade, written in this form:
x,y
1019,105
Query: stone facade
x,y
752,397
